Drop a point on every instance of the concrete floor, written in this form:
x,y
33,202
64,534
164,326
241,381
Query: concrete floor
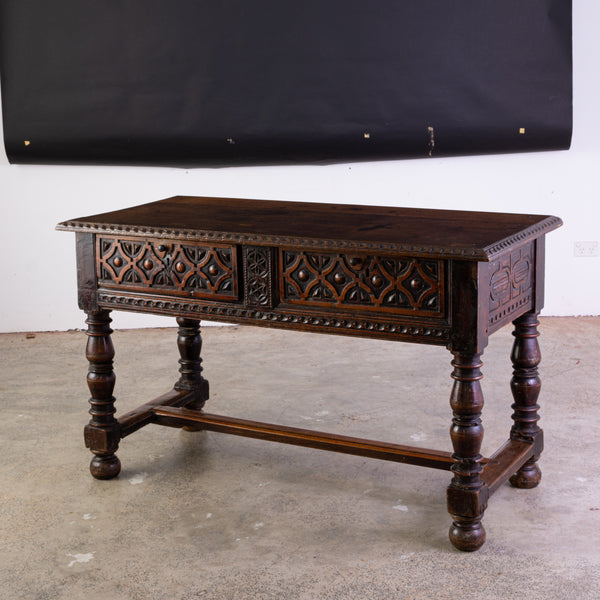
x,y
210,516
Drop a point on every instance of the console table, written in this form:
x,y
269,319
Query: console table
x,y
449,278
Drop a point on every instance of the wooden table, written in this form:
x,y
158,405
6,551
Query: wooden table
x,y
441,277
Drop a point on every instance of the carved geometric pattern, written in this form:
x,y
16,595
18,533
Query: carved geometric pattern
x,y
511,278
258,269
405,285
174,268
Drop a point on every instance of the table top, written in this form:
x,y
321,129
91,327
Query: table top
x,y
423,232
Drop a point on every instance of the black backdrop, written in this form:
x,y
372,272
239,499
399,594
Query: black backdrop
x,y
218,82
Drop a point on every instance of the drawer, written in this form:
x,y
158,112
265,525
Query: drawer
x,y
402,285
171,267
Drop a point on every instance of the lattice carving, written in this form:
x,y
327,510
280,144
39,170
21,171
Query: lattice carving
x,y
511,278
405,285
199,271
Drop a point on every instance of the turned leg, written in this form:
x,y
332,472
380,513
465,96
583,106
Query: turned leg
x,y
467,497
525,386
189,342
102,433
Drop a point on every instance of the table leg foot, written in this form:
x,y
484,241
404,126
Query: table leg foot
x,y
105,467
467,535
467,495
189,342
525,386
102,434
527,477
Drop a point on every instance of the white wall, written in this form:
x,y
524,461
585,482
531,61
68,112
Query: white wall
x,y
37,264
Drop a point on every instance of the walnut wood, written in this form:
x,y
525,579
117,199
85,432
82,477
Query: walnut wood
x,y
465,503
540,275
525,386
447,278
191,390
133,420
374,326
512,278
507,460
469,287
102,433
177,417
87,294
189,342
258,277
176,269
466,234
371,283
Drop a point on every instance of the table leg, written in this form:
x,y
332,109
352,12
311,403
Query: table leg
x,y
467,496
525,386
189,342
102,433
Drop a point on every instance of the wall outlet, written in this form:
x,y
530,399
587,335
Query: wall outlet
x,y
586,249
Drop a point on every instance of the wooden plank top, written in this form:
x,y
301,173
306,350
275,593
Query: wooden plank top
x,y
420,232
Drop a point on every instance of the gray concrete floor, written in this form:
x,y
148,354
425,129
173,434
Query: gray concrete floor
x,y
211,516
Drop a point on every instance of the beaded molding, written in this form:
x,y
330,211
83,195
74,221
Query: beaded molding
x,y
233,313
484,254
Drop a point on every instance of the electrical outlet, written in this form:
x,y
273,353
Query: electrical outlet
x,y
585,249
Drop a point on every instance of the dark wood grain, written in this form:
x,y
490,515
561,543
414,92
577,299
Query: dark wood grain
x,y
86,267
507,460
178,417
467,497
189,343
525,386
102,433
438,277
142,415
472,235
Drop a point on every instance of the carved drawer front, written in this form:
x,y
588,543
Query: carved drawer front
x,y
173,268
397,284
